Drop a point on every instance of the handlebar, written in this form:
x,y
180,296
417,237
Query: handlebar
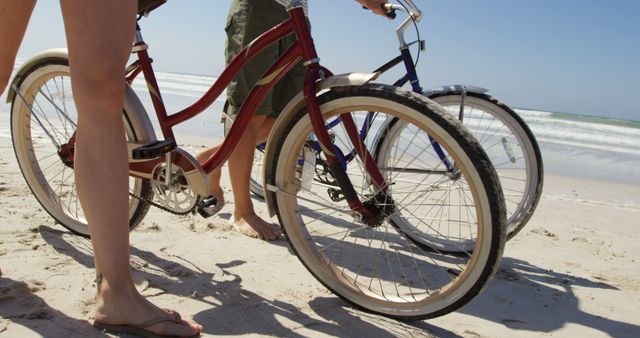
x,y
414,15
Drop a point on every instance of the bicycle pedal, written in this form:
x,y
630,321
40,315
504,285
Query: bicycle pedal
x,y
153,150
209,206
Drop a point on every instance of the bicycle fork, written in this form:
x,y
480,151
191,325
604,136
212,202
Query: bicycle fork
x,y
368,215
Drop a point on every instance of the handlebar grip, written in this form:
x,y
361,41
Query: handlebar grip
x,y
391,12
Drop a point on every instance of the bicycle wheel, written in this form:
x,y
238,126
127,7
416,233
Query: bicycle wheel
x,y
511,146
43,124
378,266
255,181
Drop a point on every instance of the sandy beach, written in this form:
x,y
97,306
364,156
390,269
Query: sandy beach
x,y
573,271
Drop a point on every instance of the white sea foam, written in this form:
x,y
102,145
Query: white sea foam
x,y
192,86
529,113
574,132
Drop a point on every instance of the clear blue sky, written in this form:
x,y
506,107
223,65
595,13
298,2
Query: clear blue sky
x,y
576,56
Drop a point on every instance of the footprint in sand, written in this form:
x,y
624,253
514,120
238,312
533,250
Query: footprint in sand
x,y
580,240
18,301
544,232
508,275
514,323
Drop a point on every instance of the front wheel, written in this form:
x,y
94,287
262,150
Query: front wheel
x,y
43,125
377,265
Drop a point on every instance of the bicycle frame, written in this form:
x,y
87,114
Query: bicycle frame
x,y
411,76
302,49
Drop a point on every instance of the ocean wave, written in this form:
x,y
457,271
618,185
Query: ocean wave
x,y
590,136
592,127
610,148
530,113
186,78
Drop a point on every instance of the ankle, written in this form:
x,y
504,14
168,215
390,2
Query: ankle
x,y
111,290
243,214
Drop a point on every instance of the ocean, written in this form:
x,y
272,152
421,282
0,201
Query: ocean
x,y
593,147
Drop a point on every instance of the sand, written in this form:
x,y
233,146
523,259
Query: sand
x,y
573,271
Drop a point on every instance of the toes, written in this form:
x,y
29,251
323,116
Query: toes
x,y
249,232
274,232
183,329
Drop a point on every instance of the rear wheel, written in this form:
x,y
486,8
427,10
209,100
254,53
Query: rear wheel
x,y
43,125
510,145
377,265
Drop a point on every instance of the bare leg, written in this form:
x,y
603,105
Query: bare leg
x,y
240,163
14,16
99,35
214,177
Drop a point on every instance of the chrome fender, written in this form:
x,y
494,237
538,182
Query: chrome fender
x,y
341,80
454,88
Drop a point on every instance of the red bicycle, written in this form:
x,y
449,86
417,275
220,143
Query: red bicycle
x,y
349,228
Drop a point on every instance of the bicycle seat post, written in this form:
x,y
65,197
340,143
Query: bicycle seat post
x,y
168,168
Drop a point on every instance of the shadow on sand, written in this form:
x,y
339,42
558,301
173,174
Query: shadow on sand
x,y
20,305
234,310
518,291
529,298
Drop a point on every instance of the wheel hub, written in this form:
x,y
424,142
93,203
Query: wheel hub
x,y
66,154
380,206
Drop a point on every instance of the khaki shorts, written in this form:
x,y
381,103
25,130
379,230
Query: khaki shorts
x,y
248,19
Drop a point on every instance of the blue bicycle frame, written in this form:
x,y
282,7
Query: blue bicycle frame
x,y
412,77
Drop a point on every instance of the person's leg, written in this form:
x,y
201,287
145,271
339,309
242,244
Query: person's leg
x,y
14,16
214,176
99,35
240,163
246,20
265,129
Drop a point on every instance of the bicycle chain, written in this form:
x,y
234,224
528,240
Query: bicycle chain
x,y
162,207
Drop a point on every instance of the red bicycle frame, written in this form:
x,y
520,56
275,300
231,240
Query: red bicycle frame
x,y
302,49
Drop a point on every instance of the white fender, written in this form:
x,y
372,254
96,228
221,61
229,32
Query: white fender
x,y
341,80
58,53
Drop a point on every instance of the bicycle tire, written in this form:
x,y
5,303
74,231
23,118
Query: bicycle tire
x,y
511,146
338,249
45,87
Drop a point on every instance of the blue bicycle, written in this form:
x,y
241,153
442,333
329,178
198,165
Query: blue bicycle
x,y
503,134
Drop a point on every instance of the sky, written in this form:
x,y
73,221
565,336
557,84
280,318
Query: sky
x,y
573,56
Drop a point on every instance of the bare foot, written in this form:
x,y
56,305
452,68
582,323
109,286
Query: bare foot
x,y
134,310
253,226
